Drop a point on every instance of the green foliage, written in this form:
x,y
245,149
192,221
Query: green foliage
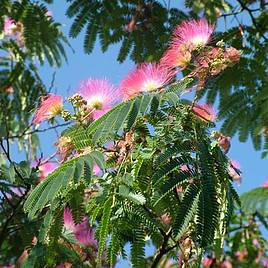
x,y
142,27
75,171
40,35
255,200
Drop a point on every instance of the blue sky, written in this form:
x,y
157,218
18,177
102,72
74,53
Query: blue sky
x,y
99,65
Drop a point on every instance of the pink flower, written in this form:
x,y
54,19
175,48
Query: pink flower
x,y
224,143
241,255
232,55
255,242
207,261
264,262
96,170
233,169
184,168
10,26
192,34
68,220
205,111
100,96
265,184
176,56
83,233
145,78
50,106
46,169
49,13
226,264
65,147
165,219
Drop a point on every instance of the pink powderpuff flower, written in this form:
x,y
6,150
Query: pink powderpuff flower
x,y
49,13
100,96
255,242
207,262
96,170
47,168
192,34
205,112
65,147
226,264
264,262
68,220
50,106
145,78
265,184
165,219
83,233
241,255
224,142
10,26
232,55
176,56
232,171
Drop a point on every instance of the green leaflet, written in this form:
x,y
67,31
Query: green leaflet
x,y
168,167
171,183
74,170
137,249
255,200
208,206
186,211
104,228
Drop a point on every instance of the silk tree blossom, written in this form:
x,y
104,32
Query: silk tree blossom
x,y
65,147
100,96
226,264
241,255
47,168
10,26
176,56
192,34
205,112
265,184
50,106
207,261
96,170
146,77
83,233
68,220
188,36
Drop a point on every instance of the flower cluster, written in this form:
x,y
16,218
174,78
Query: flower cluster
x,y
188,46
187,37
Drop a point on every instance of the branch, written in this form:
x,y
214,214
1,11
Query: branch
x,y
11,162
245,7
4,232
163,249
24,133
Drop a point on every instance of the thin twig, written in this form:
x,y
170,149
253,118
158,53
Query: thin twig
x,y
38,130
